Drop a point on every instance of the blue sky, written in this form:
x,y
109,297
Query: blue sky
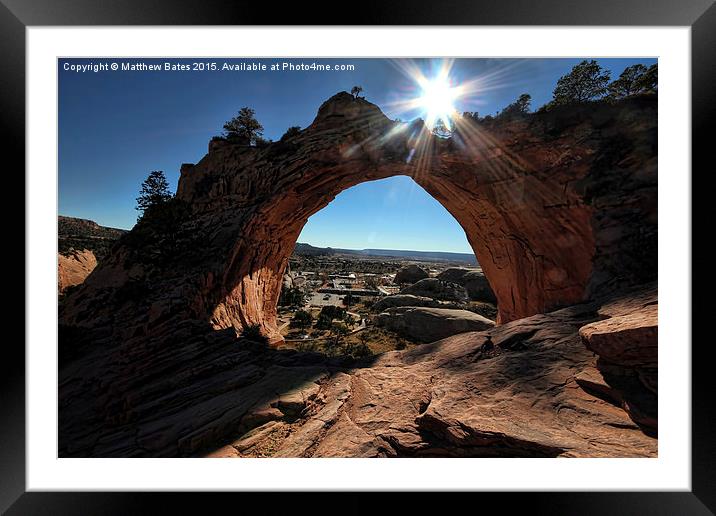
x,y
115,127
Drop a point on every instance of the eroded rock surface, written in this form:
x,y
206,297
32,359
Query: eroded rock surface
x,y
424,324
74,267
437,289
538,394
475,283
403,300
627,345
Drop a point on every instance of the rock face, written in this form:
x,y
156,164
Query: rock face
x,y
539,393
410,274
475,283
627,345
556,205
436,289
73,268
403,300
430,324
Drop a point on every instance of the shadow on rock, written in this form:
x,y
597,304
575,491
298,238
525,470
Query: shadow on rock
x,y
178,396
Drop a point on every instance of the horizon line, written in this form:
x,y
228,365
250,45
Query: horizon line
x,y
387,249
306,243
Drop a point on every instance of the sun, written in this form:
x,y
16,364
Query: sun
x,y
433,95
437,99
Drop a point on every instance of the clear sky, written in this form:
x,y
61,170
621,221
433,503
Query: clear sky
x,y
117,126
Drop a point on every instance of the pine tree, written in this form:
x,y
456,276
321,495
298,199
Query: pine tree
x,y
155,191
587,81
245,127
519,107
628,82
649,80
292,131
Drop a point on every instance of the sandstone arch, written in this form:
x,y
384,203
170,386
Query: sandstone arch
x,y
559,207
544,202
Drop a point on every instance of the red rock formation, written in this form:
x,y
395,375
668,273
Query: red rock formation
x,y
73,268
557,206
560,207
627,344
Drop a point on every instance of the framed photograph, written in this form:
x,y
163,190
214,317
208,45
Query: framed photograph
x,y
415,252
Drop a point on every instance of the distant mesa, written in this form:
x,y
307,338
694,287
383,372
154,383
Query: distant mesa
x,y
304,249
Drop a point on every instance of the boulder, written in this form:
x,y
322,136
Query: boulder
x,y
424,324
403,300
478,288
475,283
437,289
453,274
629,340
627,347
410,274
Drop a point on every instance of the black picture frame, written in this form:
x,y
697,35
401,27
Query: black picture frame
x,y
700,15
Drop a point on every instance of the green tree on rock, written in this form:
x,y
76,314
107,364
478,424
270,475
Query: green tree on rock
x,y
518,108
292,131
244,127
356,90
587,81
154,191
628,82
649,81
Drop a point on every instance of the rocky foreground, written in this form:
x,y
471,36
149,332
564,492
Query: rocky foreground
x,y
541,392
